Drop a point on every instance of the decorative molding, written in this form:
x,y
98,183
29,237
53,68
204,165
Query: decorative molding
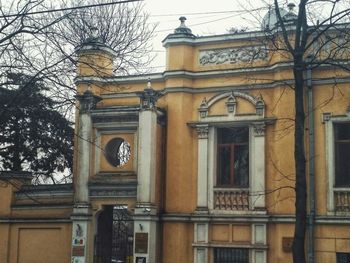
x,y
113,189
231,103
326,116
87,101
112,193
203,108
35,220
202,131
148,97
232,55
259,129
257,102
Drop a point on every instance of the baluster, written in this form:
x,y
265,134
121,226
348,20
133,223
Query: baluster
x,y
246,201
234,200
227,200
222,200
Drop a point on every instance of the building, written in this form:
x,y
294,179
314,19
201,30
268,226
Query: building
x,y
194,164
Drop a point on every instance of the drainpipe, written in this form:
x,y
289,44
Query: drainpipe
x,y
312,196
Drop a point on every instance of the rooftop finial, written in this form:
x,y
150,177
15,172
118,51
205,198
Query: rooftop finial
x,y
182,19
94,32
183,29
94,36
291,7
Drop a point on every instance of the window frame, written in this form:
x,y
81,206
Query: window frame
x,y
338,142
339,256
330,121
256,131
232,147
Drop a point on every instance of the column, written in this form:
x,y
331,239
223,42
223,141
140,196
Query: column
x,y
146,214
81,211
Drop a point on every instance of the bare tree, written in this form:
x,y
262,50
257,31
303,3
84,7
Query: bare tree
x,y
309,41
39,40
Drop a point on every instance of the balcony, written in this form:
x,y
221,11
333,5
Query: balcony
x,y
231,199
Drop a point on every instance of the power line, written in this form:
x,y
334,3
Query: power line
x,y
203,23
68,8
208,13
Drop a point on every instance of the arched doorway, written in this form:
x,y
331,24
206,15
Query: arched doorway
x,y
114,238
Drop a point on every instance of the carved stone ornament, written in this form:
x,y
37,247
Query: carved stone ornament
x,y
87,101
326,116
259,129
231,103
232,55
149,97
202,131
260,106
203,108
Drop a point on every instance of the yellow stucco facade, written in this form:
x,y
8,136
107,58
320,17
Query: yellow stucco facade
x,y
148,146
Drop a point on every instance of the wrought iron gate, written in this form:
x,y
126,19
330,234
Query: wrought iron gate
x,y
114,238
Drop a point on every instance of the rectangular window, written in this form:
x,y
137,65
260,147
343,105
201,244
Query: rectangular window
x,y
231,255
342,152
233,157
343,257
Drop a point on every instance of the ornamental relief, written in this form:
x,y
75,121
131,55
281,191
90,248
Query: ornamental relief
x,y
232,55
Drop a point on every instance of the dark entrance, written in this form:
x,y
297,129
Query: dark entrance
x,y
114,238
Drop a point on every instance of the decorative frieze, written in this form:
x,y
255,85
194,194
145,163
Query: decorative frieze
x,y
112,193
232,55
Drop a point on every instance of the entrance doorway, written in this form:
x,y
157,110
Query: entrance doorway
x,y
114,238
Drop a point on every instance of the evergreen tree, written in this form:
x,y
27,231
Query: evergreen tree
x,y
33,135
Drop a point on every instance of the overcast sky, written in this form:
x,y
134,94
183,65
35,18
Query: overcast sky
x,y
203,17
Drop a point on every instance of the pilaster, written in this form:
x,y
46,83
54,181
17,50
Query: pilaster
x,y
202,176
201,239
259,239
80,233
81,212
257,180
146,211
87,102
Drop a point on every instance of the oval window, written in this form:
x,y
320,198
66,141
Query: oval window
x,y
117,152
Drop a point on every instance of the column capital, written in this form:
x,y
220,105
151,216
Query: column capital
x,y
148,97
259,129
88,101
202,131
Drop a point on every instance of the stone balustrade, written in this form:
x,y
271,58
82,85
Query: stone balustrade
x,y
342,199
231,199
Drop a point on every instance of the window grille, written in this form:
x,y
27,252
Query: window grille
x,y
231,255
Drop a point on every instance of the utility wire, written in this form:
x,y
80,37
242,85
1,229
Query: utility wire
x,y
203,23
208,13
68,8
